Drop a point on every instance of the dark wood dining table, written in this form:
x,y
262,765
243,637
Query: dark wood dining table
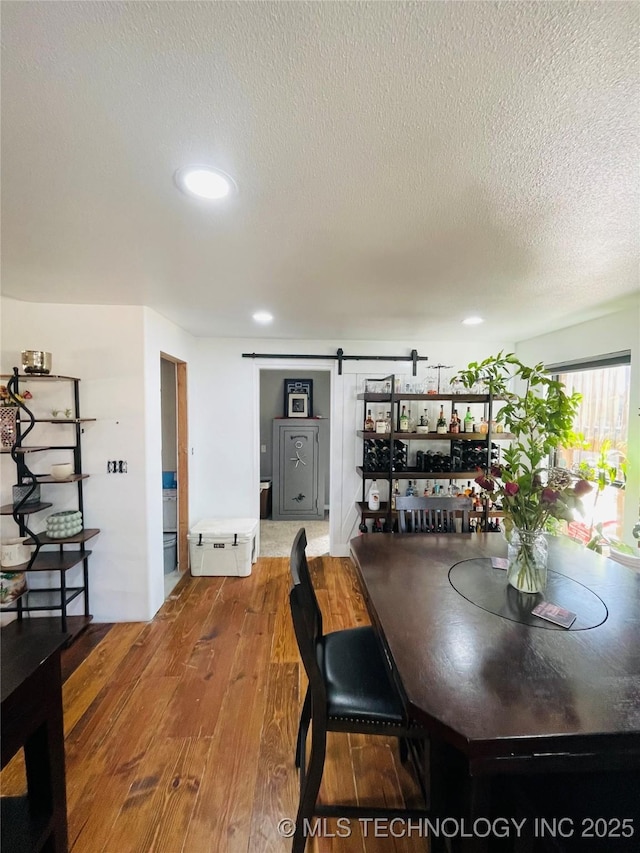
x,y
504,690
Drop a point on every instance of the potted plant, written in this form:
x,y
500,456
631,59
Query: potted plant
x,y
540,417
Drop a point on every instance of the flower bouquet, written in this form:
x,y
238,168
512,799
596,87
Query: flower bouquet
x,y
540,418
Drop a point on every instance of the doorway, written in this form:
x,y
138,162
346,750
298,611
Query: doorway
x,y
276,536
173,390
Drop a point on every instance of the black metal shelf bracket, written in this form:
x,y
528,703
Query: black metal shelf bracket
x,y
414,358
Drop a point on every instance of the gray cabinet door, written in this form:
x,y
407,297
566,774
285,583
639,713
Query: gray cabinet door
x,y
298,478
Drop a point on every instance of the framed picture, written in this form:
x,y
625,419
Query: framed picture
x,y
298,406
297,387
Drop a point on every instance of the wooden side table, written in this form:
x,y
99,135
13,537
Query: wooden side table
x,y
31,693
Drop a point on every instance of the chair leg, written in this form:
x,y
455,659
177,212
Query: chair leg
x,y
403,746
303,728
310,784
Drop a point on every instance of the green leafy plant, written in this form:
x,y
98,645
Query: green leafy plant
x,y
540,416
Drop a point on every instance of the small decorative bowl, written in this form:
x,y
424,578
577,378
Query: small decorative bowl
x,y
62,471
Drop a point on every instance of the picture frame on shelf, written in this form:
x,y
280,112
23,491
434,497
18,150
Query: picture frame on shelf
x,y
297,387
298,406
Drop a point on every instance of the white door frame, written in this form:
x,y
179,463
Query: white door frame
x,y
329,365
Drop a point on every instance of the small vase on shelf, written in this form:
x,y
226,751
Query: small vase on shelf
x,y
8,429
527,557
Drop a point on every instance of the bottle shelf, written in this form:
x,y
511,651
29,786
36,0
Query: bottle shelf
x,y
475,449
463,398
365,512
416,475
436,436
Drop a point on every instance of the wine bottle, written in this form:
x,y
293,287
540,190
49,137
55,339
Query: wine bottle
x,y
369,423
454,425
441,426
468,420
404,421
395,494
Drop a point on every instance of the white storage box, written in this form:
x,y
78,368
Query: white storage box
x,y
223,546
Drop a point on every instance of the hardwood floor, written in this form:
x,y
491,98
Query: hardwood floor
x,y
180,732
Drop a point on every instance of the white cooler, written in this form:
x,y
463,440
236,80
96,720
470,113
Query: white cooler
x,y
223,546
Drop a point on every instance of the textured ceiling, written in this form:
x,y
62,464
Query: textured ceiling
x,y
400,165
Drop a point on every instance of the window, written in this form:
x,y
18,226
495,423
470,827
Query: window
x,y
602,423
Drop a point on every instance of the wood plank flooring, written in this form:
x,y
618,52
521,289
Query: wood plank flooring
x,y
180,732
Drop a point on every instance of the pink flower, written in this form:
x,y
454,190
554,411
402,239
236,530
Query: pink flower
x,y
496,471
485,483
511,489
582,487
549,496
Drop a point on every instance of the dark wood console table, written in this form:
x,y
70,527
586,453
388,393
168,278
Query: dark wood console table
x,y
32,718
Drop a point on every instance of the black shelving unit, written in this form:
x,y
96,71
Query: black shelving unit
x,y
49,554
388,474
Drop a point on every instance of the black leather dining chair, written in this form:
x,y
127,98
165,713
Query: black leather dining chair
x,y
350,690
433,514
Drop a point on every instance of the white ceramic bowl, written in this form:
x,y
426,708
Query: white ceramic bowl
x,y
62,470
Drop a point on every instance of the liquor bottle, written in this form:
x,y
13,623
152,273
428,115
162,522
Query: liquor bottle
x,y
404,421
454,426
441,426
423,426
484,427
369,423
395,494
388,421
467,491
468,420
381,424
374,497
410,490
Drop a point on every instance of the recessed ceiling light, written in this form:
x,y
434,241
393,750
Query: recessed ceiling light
x,y
263,317
205,182
472,321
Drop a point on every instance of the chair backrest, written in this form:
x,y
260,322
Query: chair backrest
x,y
433,514
306,613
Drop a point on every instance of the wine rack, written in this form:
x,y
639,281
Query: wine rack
x,y
468,451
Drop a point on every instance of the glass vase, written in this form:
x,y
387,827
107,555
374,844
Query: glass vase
x,y
527,556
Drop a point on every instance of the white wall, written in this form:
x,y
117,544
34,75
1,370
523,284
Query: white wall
x,y
613,333
115,351
225,471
